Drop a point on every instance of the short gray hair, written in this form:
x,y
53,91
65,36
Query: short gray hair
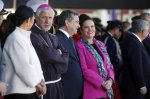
x,y
144,15
139,25
66,15
39,10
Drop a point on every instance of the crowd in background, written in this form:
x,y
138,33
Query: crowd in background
x,y
70,56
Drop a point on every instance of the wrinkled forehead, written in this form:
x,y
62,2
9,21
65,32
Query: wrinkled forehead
x,y
46,14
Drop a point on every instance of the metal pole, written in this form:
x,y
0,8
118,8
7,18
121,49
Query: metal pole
x,y
47,1
14,4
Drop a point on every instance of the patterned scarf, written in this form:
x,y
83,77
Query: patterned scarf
x,y
99,61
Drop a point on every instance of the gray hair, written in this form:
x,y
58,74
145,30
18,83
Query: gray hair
x,y
39,10
66,15
144,15
139,25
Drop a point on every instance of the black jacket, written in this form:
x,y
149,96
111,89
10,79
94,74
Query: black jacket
x,y
72,80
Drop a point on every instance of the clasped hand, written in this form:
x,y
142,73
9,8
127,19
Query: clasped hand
x,y
107,84
143,90
3,88
41,88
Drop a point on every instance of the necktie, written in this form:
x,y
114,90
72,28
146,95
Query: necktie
x,y
72,42
73,45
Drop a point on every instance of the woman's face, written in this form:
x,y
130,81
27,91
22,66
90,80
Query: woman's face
x,y
117,33
88,29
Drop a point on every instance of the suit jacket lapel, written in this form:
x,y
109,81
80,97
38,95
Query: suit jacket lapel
x,y
67,44
73,48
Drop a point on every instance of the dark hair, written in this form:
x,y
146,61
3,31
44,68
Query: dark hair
x,y
83,18
139,25
135,18
114,24
97,20
65,15
21,14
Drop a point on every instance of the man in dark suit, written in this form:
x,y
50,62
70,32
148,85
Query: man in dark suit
x,y
53,57
146,41
72,80
136,61
110,38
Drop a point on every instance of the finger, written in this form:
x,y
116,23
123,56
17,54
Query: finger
x,y
44,90
108,86
106,82
40,87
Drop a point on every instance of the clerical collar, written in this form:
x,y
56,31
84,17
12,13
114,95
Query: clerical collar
x,y
37,26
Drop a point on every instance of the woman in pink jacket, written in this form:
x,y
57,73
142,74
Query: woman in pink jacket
x,y
95,63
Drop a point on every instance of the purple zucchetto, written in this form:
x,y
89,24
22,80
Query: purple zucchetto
x,y
44,6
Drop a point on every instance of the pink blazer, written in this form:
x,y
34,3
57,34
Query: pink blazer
x,y
92,78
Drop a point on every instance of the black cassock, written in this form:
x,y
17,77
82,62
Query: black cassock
x,y
53,62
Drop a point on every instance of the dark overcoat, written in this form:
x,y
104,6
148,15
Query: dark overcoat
x,y
53,62
136,68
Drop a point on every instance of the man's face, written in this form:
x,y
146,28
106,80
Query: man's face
x,y
1,19
45,20
148,20
145,33
117,33
73,25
